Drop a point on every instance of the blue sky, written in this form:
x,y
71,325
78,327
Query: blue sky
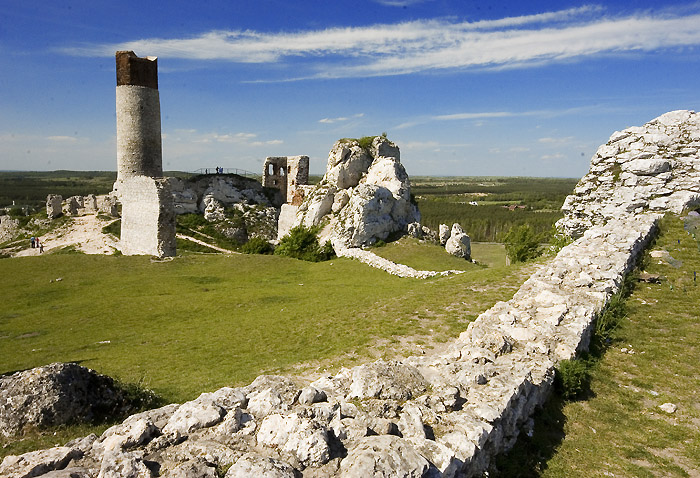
x,y
463,87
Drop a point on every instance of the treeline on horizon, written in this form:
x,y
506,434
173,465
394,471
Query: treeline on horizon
x,y
446,201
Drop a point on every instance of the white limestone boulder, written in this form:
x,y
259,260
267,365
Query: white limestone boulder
x,y
295,435
459,244
252,464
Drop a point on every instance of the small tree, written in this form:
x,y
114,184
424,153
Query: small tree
x,y
302,243
522,244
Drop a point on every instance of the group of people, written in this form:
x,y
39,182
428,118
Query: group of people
x,y
219,170
37,244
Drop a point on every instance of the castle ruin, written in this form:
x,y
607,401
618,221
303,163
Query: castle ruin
x,y
287,173
148,217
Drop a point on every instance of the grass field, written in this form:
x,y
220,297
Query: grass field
x,y
200,322
218,320
618,429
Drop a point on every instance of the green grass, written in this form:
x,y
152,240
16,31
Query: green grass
x,y
201,322
619,429
426,256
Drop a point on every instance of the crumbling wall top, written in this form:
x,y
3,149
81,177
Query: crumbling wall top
x,y
135,71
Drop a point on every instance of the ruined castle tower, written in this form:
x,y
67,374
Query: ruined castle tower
x,y
139,148
148,215
286,173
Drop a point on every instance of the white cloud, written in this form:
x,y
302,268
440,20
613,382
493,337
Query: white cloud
x,y
63,139
340,119
552,157
427,45
549,140
399,3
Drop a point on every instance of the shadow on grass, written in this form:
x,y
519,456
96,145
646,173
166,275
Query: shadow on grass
x,y
530,455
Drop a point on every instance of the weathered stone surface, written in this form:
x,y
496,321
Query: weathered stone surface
x,y
297,436
444,233
652,167
9,228
116,464
37,463
53,206
459,244
148,217
56,394
387,380
384,456
197,468
203,412
251,464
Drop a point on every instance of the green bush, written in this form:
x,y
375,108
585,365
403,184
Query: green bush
x,y
572,378
191,221
257,245
16,212
609,320
302,243
114,228
522,244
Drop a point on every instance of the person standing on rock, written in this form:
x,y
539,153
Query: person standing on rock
x,y
41,248
32,242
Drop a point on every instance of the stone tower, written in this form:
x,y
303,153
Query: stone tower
x,y
148,215
139,147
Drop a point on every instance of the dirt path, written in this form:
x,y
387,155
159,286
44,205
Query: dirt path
x,y
83,232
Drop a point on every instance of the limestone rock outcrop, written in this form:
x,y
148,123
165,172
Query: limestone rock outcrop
x,y
459,244
365,196
193,196
56,394
654,167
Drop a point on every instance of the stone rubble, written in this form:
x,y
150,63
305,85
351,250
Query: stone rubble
x,y
426,416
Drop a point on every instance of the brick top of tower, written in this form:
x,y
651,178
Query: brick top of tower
x,y
132,70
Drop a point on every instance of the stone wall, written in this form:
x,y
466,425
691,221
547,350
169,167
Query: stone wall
x,y
653,167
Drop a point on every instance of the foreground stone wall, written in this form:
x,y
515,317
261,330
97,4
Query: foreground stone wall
x,y
444,415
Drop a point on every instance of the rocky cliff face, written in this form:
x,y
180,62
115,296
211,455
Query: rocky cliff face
x,y
653,168
364,196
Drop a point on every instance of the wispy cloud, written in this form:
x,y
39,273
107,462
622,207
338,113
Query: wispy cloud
x,y
485,115
429,45
400,3
549,140
63,139
241,138
340,119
